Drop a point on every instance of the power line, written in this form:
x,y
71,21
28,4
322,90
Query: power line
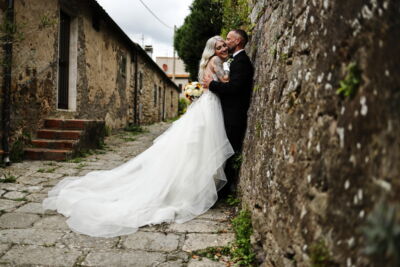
x,y
169,27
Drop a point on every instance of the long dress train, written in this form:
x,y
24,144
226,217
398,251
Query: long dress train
x,y
174,180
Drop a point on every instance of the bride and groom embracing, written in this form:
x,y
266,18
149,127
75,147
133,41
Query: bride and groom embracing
x,y
179,176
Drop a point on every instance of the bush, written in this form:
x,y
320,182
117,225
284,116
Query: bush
x,y
182,106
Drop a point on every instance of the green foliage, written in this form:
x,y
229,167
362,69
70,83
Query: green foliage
x,y
235,16
382,233
76,160
204,21
212,253
237,161
349,85
232,200
8,178
320,255
107,130
272,51
47,21
50,170
258,129
135,129
256,88
242,251
129,138
17,148
81,165
182,105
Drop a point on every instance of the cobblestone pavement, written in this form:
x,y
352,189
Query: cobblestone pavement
x,y
30,237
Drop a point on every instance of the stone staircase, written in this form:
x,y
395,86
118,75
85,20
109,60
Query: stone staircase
x,y
63,139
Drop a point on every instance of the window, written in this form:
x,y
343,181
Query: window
x,y
172,102
140,80
155,94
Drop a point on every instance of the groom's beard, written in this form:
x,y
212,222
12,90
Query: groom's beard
x,y
231,50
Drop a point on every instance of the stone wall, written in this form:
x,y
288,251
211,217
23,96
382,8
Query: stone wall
x,y
34,63
155,94
316,163
104,64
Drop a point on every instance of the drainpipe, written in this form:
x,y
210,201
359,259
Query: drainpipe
x,y
163,108
135,104
7,83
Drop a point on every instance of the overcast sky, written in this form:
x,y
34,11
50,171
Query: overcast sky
x,y
138,22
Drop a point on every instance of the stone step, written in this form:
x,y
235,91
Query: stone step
x,y
47,154
54,144
65,124
58,134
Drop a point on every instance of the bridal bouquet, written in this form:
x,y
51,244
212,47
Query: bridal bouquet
x,y
193,90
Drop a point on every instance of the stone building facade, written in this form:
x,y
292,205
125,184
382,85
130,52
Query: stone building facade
x,y
320,168
181,75
71,60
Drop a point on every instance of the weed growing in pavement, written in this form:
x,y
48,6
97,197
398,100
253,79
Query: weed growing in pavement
x,y
81,165
231,200
50,170
8,178
135,129
239,252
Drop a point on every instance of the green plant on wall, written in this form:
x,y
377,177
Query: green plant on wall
x,y
351,82
382,233
320,255
17,148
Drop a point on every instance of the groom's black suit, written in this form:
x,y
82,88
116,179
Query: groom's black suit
x,y
235,99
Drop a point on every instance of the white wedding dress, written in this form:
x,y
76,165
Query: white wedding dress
x,y
174,180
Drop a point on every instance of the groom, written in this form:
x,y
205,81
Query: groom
x,y
235,98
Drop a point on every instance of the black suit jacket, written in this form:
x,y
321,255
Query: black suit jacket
x,y
235,94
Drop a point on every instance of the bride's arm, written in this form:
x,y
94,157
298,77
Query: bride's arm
x,y
218,69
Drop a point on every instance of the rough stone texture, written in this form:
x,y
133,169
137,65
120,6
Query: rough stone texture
x,y
30,236
34,238
17,220
30,255
118,258
199,226
315,163
52,222
31,208
8,205
74,240
14,195
204,262
152,241
201,241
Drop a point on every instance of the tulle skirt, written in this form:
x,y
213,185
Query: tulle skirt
x,y
174,180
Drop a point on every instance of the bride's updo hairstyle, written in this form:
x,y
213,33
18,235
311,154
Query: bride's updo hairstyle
x,y
208,52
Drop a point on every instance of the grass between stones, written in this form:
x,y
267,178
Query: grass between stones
x,y
239,252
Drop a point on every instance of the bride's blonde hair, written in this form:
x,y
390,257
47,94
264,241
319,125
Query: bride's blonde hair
x,y
208,52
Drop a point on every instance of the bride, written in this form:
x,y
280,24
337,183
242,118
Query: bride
x,y
174,180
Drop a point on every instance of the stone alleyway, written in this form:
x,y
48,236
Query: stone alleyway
x,y
29,237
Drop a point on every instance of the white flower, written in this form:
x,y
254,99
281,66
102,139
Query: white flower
x,y
197,93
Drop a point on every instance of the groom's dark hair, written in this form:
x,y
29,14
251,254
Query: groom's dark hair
x,y
243,35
